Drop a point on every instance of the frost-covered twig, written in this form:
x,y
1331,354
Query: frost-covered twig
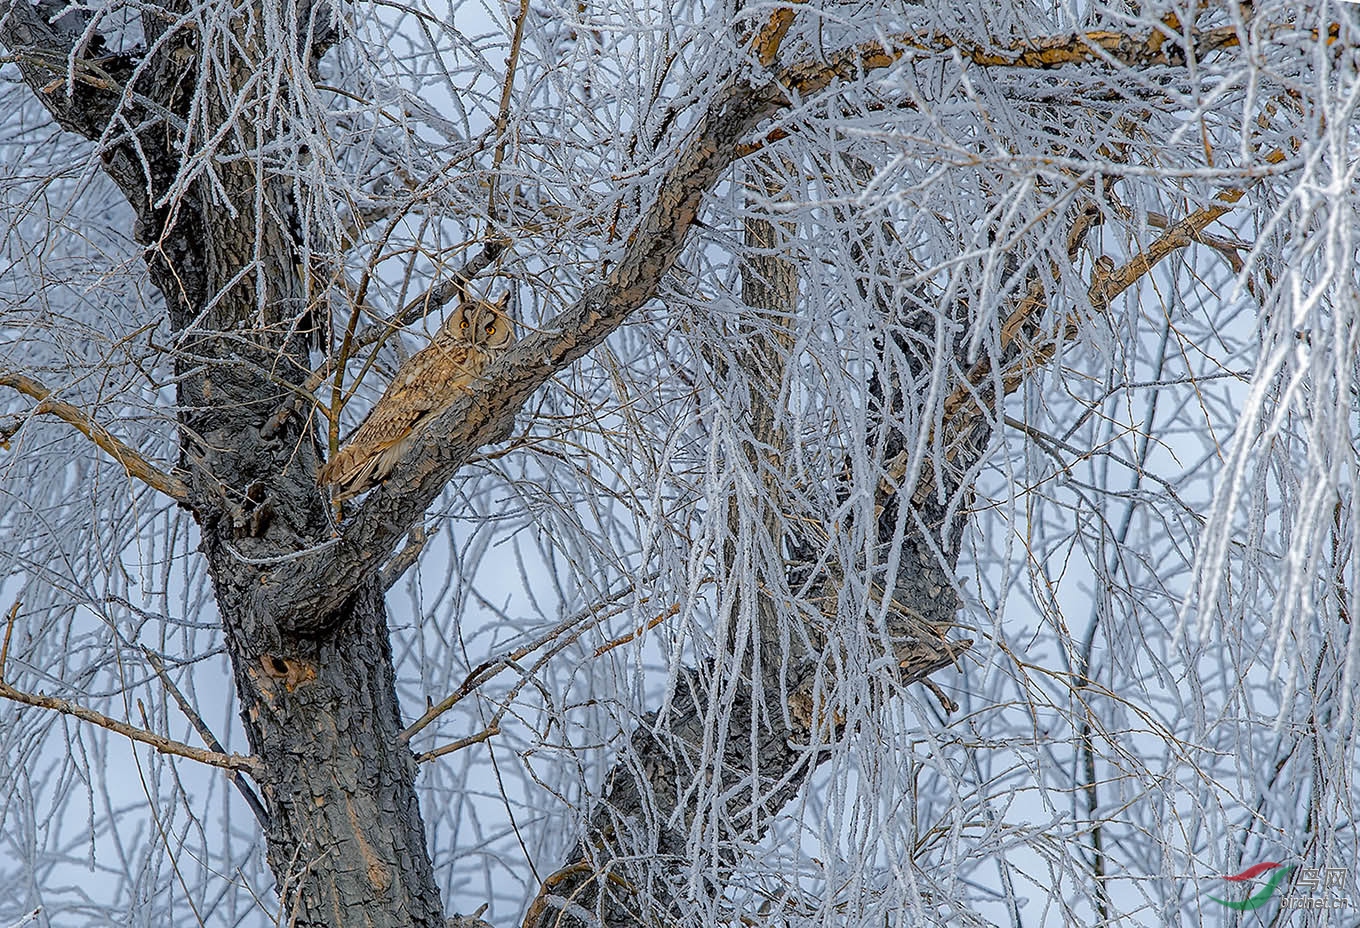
x,y
237,779
27,919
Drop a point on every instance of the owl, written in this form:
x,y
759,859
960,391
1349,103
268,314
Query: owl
x,y
426,385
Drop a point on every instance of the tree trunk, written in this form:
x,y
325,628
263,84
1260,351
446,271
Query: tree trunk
x,y
346,841
345,837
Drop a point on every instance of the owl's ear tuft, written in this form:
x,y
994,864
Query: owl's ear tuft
x,y
503,302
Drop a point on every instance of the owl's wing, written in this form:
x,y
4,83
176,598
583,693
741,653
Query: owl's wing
x,y
424,387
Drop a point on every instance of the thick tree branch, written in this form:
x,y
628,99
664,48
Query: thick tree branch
x,y
133,462
774,713
1084,48
1100,47
767,40
303,595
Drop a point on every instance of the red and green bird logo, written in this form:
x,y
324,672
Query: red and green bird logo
x,y
1256,900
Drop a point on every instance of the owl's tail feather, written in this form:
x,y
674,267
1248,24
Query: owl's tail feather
x,y
349,474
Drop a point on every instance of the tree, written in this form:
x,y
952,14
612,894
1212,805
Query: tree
x,y
843,327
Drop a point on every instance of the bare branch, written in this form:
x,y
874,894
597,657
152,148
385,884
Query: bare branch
x,y
140,735
403,559
965,403
492,729
237,779
132,460
636,633
503,111
563,633
9,631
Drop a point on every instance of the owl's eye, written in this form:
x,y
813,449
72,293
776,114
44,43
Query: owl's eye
x,y
463,324
491,328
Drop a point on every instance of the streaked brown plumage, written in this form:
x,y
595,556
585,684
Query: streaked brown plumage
x,y
426,385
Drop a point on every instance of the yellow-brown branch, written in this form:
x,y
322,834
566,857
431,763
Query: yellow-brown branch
x,y
140,735
132,460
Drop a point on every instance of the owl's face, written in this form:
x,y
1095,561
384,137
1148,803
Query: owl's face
x,y
483,324
461,325
491,328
